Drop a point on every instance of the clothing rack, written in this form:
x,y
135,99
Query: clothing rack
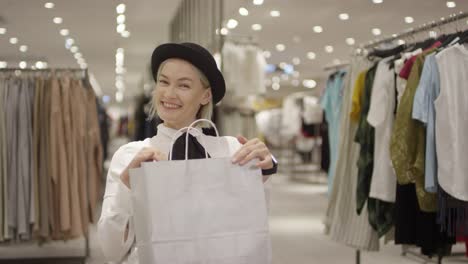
x,y
412,31
335,66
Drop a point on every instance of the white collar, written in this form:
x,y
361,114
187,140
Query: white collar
x,y
171,132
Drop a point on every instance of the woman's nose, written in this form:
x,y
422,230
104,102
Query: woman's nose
x,y
170,91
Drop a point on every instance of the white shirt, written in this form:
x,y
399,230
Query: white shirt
x,y
382,105
117,208
451,121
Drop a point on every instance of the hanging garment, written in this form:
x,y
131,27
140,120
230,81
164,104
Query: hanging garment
x,y
357,94
342,223
398,65
313,113
451,121
3,162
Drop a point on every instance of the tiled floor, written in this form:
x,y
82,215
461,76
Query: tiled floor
x,y
296,214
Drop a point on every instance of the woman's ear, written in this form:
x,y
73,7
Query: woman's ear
x,y
206,96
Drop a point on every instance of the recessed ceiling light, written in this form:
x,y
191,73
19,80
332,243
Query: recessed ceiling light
x,y
343,16
280,47
311,55
69,43
120,28
83,65
126,34
119,96
256,27
409,20
2,31
23,48
377,1
275,86
78,55
401,42
243,11
283,65
318,29
119,84
80,60
350,41
120,9
23,64
295,82
224,31
376,31
275,13
267,54
451,4
49,5
120,19
328,49
394,35
309,83
13,40
432,34
296,61
276,79
58,20
74,49
257,2
39,64
3,64
232,23
64,32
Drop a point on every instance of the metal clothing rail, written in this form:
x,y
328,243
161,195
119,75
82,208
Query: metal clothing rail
x,y
413,31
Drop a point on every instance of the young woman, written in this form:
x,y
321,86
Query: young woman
x,y
188,85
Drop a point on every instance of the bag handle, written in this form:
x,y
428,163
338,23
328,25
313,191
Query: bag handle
x,y
191,126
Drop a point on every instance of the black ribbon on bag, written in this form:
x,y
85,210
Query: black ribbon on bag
x,y
195,149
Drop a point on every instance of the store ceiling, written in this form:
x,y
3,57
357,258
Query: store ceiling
x,y
92,24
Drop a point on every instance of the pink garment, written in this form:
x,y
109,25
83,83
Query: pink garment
x,y
406,70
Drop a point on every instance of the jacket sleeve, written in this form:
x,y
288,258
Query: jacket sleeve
x,y
117,209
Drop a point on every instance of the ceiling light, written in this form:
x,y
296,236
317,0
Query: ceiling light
x,y
276,79
283,65
432,34
343,16
119,96
295,82
232,23
74,49
409,20
23,48
401,42
119,85
377,1
78,55
49,5
296,61
267,54
394,35
243,11
58,20
120,28
2,31
120,70
23,64
39,65
120,50
83,65
309,83
451,4
311,55
3,64
275,13
256,27
257,2
120,19
275,86
376,31
295,74
64,32
80,60
69,41
329,49
120,9
224,31
280,47
126,34
350,41
13,40
318,29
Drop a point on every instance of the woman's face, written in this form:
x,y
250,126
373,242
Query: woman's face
x,y
179,93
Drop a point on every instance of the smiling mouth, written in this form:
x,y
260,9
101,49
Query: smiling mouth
x,y
170,106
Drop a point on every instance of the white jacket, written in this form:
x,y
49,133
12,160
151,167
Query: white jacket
x,y
117,207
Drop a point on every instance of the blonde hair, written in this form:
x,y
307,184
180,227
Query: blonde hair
x,y
205,111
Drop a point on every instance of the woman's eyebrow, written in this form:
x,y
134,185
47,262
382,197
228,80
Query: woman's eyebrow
x,y
185,79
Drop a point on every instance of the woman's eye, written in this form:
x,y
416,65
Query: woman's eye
x,y
163,82
185,85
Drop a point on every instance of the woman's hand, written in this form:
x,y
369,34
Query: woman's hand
x,y
146,154
253,149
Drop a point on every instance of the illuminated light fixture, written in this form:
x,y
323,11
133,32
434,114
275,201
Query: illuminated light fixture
x,y
23,48
257,2
329,49
121,19
256,27
119,96
350,41
120,9
309,83
409,20
39,65
243,11
83,65
376,31
280,47
377,1
283,65
275,13
49,5
451,4
3,31
224,31
275,86
296,61
78,55
432,34
119,85
69,41
318,29
23,64
232,23
126,34
13,41
401,42
311,55
3,64
74,49
267,54
64,32
343,16
58,20
120,28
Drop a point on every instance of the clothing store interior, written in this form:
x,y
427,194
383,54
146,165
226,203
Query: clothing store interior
x,y
354,100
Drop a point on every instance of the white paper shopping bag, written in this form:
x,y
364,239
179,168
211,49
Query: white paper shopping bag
x,y
200,211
